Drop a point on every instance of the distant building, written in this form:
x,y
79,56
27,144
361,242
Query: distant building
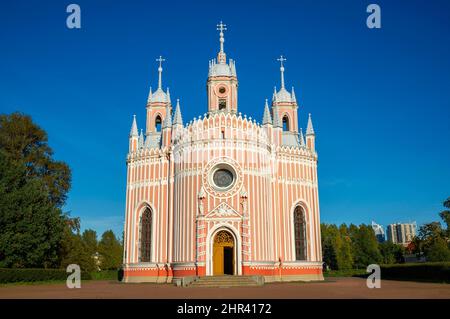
x,y
401,233
379,232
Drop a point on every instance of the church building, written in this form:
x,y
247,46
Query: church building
x,y
222,194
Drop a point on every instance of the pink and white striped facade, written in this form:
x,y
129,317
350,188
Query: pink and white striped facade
x,y
170,174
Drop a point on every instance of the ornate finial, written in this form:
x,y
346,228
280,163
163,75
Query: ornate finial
x,y
302,139
221,27
177,119
294,99
282,59
160,60
267,119
309,127
134,130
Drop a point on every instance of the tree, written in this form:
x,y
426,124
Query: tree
x,y
336,246
365,246
345,254
445,215
74,248
31,226
329,246
25,142
391,253
110,250
432,240
89,238
438,250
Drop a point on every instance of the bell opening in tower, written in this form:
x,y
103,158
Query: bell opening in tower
x,y
222,104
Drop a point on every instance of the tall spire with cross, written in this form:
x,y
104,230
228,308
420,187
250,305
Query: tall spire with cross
x,y
282,59
221,56
160,69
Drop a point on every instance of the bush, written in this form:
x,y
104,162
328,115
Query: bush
x,y
346,273
8,275
105,275
431,272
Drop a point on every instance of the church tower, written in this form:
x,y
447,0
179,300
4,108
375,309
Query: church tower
x,y
159,106
222,81
285,104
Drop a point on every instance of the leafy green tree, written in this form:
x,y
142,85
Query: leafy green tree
x,y
110,250
89,238
438,250
391,253
30,225
345,254
25,142
445,215
434,241
329,246
365,246
74,248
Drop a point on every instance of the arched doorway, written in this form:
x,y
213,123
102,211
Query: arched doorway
x,y
223,254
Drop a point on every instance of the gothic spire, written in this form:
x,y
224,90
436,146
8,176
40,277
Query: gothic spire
x,y
302,139
267,119
276,118
274,96
177,119
294,99
309,128
168,96
149,99
141,140
160,69
134,130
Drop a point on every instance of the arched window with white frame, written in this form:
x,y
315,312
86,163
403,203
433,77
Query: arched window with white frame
x,y
300,233
145,235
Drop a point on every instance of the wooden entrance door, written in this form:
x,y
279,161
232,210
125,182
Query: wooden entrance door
x,y
223,254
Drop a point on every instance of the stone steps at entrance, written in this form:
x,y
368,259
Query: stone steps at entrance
x,y
227,281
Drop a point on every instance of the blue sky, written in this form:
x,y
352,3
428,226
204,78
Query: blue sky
x,y
380,99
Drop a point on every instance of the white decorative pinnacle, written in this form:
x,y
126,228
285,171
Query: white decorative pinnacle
x,y
149,99
274,96
141,139
134,130
168,96
267,119
293,98
282,59
160,69
302,139
309,127
177,119
276,118
221,27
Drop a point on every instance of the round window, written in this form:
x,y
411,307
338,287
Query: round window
x,y
223,177
222,90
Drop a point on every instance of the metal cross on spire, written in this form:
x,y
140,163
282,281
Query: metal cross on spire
x,y
281,59
160,60
221,27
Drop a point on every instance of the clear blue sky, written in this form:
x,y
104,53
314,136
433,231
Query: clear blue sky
x,y
380,99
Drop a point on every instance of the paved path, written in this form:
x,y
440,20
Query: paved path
x,y
331,288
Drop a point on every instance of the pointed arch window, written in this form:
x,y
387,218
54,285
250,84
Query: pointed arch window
x,y
158,123
145,235
300,233
285,123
